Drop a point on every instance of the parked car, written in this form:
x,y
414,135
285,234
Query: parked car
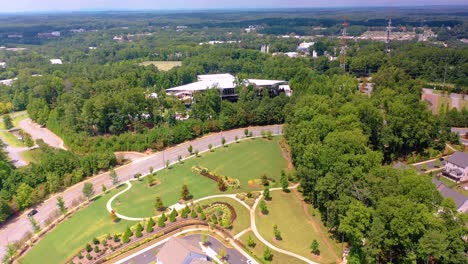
x,y
32,212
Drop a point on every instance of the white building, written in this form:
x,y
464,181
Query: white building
x,y
226,84
304,47
56,61
456,166
2,64
8,82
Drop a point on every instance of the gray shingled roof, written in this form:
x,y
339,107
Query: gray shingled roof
x,y
176,250
446,192
459,158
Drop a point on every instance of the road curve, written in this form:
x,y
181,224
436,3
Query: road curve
x,y
38,132
17,227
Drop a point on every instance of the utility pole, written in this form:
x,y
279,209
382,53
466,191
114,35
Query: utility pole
x,y
387,40
343,46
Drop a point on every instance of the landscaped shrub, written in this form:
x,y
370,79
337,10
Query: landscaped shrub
x,y
88,256
96,249
88,248
150,225
116,238
95,241
193,214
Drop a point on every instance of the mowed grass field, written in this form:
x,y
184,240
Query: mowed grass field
x,y
243,215
32,156
162,65
73,234
297,229
246,160
257,252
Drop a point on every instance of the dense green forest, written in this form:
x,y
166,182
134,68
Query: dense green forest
x,y
342,142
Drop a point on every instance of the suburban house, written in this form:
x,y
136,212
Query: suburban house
x,y
456,166
56,61
460,200
179,251
226,84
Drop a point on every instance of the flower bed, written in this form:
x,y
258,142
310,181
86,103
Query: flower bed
x,y
222,180
220,213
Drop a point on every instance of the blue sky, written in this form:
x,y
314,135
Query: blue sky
x,y
68,5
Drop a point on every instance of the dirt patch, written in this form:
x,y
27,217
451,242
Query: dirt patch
x,y
317,228
286,151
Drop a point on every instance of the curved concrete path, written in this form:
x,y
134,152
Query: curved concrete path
x,y
17,227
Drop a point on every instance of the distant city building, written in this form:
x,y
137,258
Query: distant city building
x,y
56,61
382,36
49,34
265,49
179,251
79,30
304,47
15,35
15,49
8,82
2,64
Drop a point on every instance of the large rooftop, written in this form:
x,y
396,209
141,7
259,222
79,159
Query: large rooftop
x,y
459,158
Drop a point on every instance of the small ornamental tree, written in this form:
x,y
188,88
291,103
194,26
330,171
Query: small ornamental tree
x,y
179,159
190,149
246,132
263,207
236,138
138,230
114,177
113,216
150,225
203,216
214,219
277,233
88,190
284,182
126,236
251,242
196,152
150,179
221,185
104,188
265,181
7,121
204,239
193,214
266,194
173,216
210,147
151,169
185,193
315,247
162,221
223,142
199,209
61,205
159,205
168,164
88,248
267,254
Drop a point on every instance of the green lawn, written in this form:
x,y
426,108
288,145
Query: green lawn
x,y
257,252
11,139
73,234
243,216
246,160
162,65
297,230
32,156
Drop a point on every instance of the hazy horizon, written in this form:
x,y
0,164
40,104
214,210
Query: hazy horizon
x,y
22,6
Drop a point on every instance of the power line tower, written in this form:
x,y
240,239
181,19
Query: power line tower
x,y
387,40
343,46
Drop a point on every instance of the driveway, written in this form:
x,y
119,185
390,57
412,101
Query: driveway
x,y
38,132
17,227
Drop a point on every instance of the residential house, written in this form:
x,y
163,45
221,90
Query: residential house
x,y
179,251
460,200
456,166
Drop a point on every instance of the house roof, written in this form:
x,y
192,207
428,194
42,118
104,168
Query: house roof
x,y
56,61
176,250
459,158
460,200
259,82
223,76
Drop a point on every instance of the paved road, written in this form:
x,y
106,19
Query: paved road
x,y
14,153
462,131
17,227
38,132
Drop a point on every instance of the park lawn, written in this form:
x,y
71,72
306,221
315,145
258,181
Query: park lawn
x,y
11,139
248,160
162,65
32,156
257,252
245,160
297,231
242,220
70,236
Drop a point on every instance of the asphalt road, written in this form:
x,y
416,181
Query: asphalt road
x,y
17,227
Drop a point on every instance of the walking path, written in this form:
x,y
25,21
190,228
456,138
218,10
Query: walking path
x,y
17,227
